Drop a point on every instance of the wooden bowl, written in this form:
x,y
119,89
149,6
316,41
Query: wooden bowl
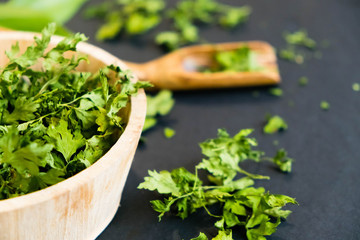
x,y
82,206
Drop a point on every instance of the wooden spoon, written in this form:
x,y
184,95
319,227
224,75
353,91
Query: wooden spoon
x,y
178,70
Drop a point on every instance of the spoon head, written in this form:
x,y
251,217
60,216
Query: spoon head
x,y
197,58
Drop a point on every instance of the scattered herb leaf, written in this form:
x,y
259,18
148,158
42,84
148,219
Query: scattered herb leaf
x,y
188,13
300,38
325,105
158,105
275,124
169,132
356,87
134,17
240,203
292,55
303,81
276,92
130,16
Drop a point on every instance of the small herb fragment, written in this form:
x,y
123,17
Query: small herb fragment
x,y
135,17
188,13
56,121
131,16
300,38
294,41
325,105
356,87
276,92
275,124
242,59
241,204
158,105
303,81
292,55
169,132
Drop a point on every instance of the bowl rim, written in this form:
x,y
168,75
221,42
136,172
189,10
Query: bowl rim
x,y
116,152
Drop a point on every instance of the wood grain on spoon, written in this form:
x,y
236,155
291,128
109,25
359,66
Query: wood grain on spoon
x,y
179,69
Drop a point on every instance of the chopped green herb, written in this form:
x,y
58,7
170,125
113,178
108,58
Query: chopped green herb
x,y
158,105
303,81
131,16
138,16
239,202
275,124
324,105
34,15
283,161
188,13
55,121
292,55
276,92
242,59
300,38
169,132
356,87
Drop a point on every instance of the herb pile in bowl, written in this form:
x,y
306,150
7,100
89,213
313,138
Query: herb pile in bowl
x,y
56,121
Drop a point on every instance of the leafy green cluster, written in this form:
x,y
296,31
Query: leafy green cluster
x,y
131,16
34,15
188,13
295,40
242,59
240,203
56,121
158,105
139,16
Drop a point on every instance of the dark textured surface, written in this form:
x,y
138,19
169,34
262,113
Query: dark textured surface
x,y
325,178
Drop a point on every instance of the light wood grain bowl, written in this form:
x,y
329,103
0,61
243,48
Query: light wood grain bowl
x,y
82,206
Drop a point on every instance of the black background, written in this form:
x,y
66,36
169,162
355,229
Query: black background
x,y
325,144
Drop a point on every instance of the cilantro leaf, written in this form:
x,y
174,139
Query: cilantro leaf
x,y
162,182
65,141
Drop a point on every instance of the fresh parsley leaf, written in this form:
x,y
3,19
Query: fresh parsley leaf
x,y
275,124
239,203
